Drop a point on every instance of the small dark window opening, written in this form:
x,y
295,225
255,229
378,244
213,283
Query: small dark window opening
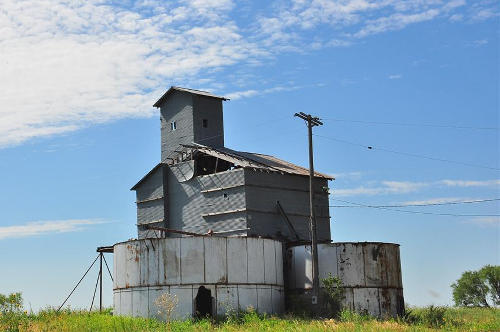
x,y
173,125
203,303
205,123
225,195
209,165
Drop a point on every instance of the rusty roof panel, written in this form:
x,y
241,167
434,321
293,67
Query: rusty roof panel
x,y
256,160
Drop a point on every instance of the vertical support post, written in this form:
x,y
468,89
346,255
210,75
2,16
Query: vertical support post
x,y
100,281
311,122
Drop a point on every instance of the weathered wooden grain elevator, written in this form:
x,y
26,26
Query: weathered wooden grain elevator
x,y
235,225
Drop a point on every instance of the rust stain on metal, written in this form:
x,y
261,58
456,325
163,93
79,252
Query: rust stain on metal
x,y
375,252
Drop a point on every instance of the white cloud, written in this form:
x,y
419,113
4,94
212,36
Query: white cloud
x,y
456,17
404,187
471,183
385,187
250,93
436,201
485,221
355,18
478,43
69,64
395,76
45,227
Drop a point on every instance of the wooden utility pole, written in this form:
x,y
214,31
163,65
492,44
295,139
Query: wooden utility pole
x,y
311,122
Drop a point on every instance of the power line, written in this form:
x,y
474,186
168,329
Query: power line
x,y
371,147
419,212
422,204
413,124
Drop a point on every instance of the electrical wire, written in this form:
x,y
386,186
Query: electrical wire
x,y
412,124
423,204
371,147
418,212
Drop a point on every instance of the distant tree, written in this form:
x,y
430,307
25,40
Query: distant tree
x,y
474,288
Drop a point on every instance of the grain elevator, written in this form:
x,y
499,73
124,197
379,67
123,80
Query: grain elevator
x,y
232,228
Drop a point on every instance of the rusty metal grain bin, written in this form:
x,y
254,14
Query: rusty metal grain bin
x,y
239,272
370,273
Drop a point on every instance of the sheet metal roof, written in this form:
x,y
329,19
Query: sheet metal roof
x,y
246,160
256,160
193,91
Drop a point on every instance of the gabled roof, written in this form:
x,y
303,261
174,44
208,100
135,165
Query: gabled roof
x,y
193,91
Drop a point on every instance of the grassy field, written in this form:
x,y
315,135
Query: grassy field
x,y
424,319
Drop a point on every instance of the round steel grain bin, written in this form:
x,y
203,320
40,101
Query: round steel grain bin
x,y
370,273
239,272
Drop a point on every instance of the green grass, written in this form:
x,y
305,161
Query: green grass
x,y
419,319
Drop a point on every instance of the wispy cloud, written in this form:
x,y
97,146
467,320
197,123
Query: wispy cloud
x,y
95,62
385,187
470,183
395,76
478,42
485,221
45,227
70,64
351,18
438,200
250,93
403,187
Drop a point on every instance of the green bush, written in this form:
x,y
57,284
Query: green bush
x,y
433,316
335,293
12,303
11,312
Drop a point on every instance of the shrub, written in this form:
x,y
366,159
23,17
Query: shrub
x,y
12,303
433,316
335,293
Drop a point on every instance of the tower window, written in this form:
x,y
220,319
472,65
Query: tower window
x,y
173,125
205,123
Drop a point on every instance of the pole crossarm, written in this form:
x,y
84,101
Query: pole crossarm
x,y
315,121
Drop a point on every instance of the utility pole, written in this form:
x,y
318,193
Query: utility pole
x,y
100,281
311,122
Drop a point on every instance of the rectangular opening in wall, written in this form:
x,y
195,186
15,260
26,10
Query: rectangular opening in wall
x,y
173,125
205,123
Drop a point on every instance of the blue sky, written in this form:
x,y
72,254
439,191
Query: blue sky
x,y
77,126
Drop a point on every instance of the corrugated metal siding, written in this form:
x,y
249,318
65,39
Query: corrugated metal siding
x,y
189,201
211,110
263,190
150,211
150,204
151,187
179,108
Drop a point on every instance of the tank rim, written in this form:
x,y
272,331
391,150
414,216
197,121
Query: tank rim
x,y
350,242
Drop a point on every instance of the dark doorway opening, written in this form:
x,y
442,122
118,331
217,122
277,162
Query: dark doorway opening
x,y
203,303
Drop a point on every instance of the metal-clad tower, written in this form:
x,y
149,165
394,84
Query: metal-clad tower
x,y
189,116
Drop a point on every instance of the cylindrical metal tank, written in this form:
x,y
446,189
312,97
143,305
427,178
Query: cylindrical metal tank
x,y
370,273
239,272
